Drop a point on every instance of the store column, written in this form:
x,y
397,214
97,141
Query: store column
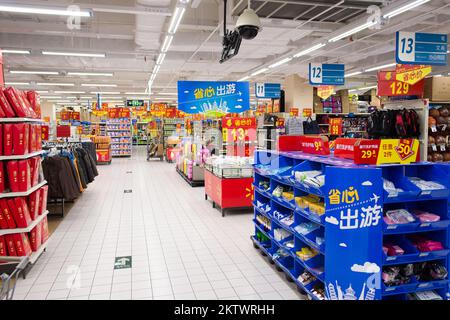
x,y
298,93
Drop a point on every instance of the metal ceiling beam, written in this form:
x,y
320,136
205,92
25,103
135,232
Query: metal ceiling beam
x,y
324,4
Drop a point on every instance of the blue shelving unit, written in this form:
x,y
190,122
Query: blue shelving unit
x,y
349,264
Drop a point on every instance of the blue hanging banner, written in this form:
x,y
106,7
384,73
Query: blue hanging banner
x,y
353,237
326,74
268,90
213,98
421,48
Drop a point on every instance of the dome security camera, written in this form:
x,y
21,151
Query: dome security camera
x,y
248,24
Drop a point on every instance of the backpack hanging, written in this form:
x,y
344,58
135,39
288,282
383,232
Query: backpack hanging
x,y
310,126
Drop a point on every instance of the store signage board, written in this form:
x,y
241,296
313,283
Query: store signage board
x,y
345,147
387,151
354,212
326,74
123,262
213,98
388,86
239,134
336,126
45,132
135,103
411,74
307,112
294,112
325,92
421,48
314,145
267,90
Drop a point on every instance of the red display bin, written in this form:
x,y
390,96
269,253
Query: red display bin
x,y
228,193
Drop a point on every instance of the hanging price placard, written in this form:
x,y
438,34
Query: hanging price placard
x,y
325,91
239,135
411,74
336,126
388,86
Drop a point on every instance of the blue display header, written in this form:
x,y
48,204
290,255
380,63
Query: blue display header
x,y
213,97
326,74
268,90
421,48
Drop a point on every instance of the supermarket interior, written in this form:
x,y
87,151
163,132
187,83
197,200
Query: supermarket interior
x,y
224,150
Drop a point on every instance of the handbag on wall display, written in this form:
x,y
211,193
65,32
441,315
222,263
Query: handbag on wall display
x,y
310,126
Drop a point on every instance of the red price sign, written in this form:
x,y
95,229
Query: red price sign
x,y
44,132
345,147
314,145
336,126
389,86
238,132
294,112
62,131
387,151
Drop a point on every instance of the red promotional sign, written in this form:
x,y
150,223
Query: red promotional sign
x,y
44,132
239,132
386,151
294,112
336,126
75,116
62,131
389,86
314,145
171,112
345,147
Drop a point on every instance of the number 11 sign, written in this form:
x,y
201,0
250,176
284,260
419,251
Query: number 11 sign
x,y
421,48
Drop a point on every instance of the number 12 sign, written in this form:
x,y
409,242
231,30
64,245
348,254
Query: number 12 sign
x,y
326,74
421,48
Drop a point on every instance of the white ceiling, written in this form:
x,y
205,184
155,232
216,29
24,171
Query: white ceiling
x,y
130,33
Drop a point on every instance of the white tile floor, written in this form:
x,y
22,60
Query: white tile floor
x,y
181,247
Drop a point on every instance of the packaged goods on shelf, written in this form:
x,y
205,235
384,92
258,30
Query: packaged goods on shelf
x,y
230,166
439,133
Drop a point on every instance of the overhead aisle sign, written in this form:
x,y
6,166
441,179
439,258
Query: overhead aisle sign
x,y
421,48
326,74
213,98
267,90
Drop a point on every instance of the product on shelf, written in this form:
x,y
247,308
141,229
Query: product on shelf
x,y
424,216
280,234
399,216
306,278
424,295
425,245
288,220
425,185
306,253
306,227
422,272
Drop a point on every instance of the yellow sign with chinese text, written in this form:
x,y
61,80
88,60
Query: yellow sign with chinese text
x,y
411,74
325,91
401,151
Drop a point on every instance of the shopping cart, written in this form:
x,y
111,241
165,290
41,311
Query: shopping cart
x,y
9,274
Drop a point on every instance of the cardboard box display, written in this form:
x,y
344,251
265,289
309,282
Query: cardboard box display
x,y
33,204
7,110
2,177
35,102
22,244
7,139
43,199
3,249
35,164
9,239
35,238
7,214
15,102
20,212
38,137
24,175
32,138
12,168
3,222
20,138
437,89
44,230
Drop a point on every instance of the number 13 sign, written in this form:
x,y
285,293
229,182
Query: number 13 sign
x,y
421,48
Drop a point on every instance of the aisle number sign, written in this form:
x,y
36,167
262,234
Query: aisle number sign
x,y
421,48
411,74
326,74
386,151
336,126
267,90
325,92
388,86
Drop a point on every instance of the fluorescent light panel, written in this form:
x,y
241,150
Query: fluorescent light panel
x,y
309,50
352,31
380,67
352,74
34,10
17,83
98,85
100,74
166,93
166,44
74,54
55,84
160,58
176,19
104,92
13,51
281,62
244,78
65,91
259,71
32,72
367,88
404,8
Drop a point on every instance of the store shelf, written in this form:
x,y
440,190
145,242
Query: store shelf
x,y
32,258
23,156
33,224
22,194
3,120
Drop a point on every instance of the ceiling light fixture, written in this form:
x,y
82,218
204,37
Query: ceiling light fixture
x,y
259,72
279,63
100,74
367,88
244,78
74,54
104,92
352,31
98,85
64,91
309,50
352,74
176,19
380,67
137,93
166,93
32,72
167,42
57,12
404,8
13,51
55,84
17,83
160,58
156,69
